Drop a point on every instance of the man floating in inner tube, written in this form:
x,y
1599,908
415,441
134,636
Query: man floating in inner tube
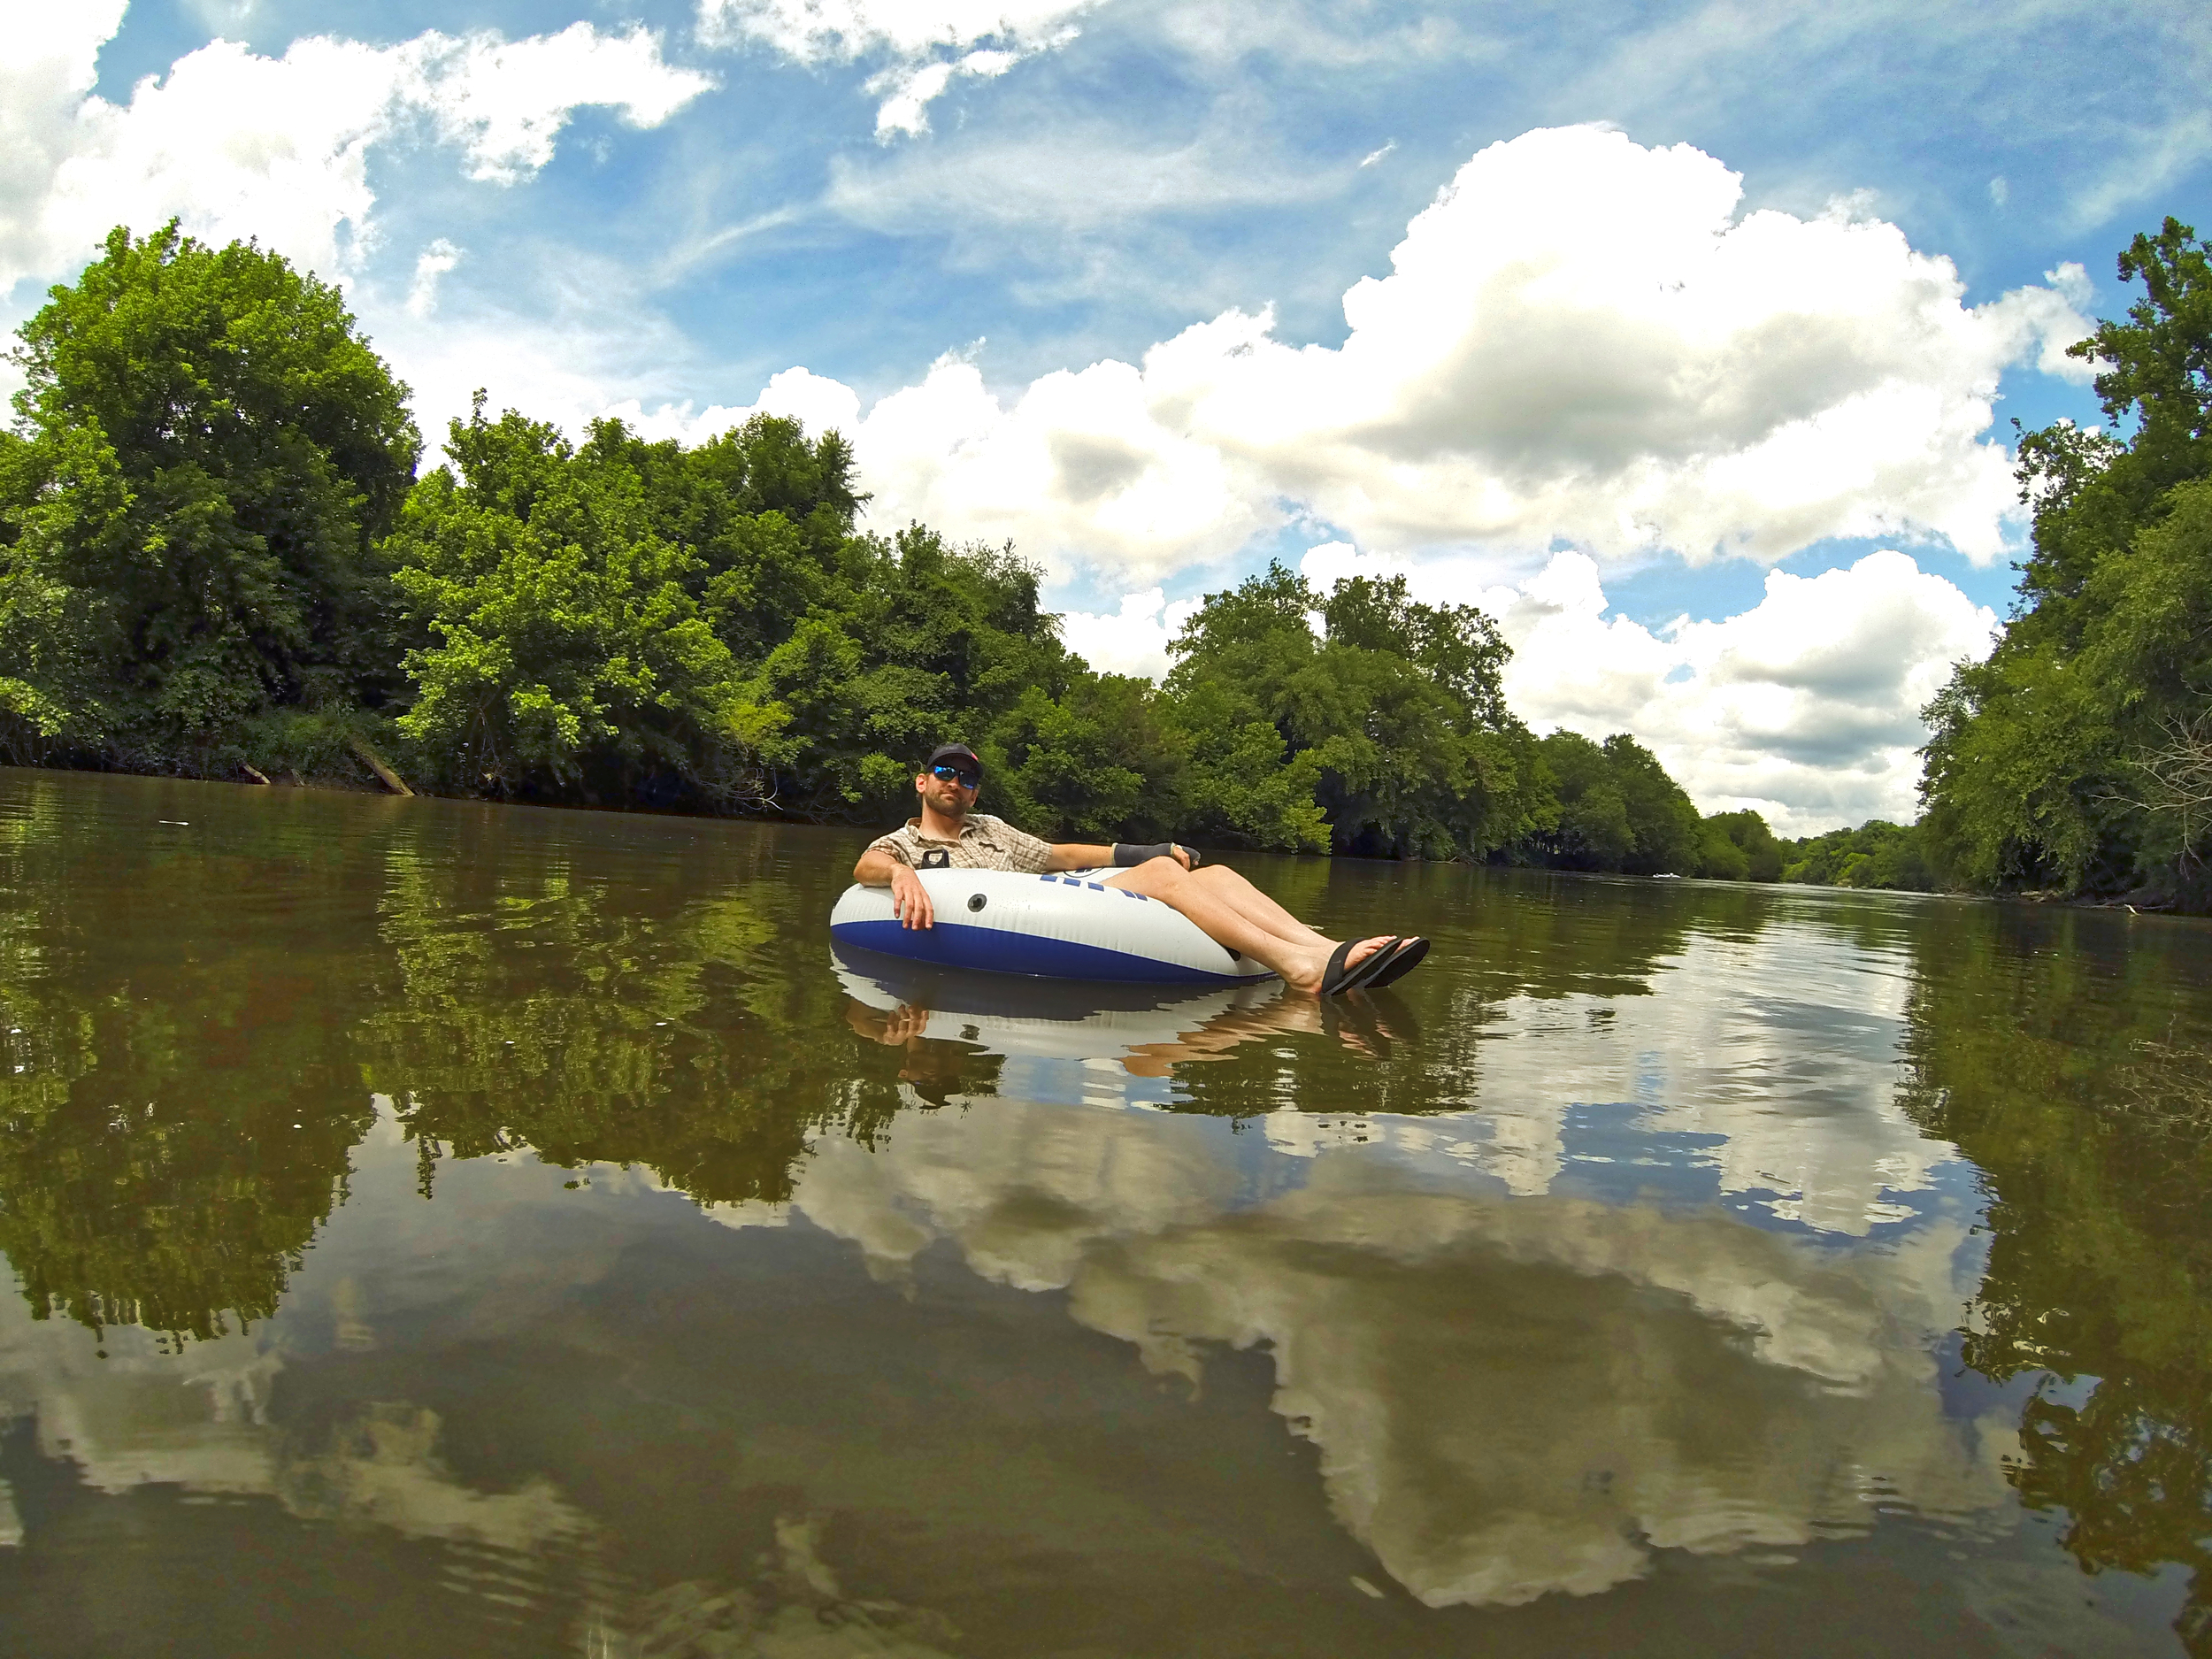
x,y
950,834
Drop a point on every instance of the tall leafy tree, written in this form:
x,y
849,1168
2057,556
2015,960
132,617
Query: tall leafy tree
x,y
1739,847
563,635
1394,706
626,620
2065,759
1618,809
207,455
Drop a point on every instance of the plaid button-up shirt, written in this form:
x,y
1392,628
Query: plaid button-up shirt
x,y
985,843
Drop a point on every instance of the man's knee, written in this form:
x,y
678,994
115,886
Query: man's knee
x,y
1152,876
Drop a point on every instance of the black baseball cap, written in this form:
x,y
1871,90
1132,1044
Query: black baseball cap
x,y
957,752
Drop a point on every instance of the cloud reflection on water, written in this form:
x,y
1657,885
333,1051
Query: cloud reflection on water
x,y
1511,1395
1515,1386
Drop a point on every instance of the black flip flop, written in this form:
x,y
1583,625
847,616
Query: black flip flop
x,y
1403,958
1336,979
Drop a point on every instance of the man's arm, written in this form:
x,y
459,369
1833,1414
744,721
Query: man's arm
x,y
909,898
1078,856
877,868
1087,855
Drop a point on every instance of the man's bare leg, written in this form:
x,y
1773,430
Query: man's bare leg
x,y
1300,963
1256,905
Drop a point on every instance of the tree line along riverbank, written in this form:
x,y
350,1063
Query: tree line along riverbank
x,y
220,556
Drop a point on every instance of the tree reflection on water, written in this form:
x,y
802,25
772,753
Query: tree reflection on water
x,y
539,1007
2073,1071
174,1122
193,1025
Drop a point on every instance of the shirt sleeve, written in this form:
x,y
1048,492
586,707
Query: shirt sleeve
x,y
894,844
1022,851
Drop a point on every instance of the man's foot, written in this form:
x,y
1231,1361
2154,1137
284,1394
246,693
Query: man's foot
x,y
1405,956
1322,973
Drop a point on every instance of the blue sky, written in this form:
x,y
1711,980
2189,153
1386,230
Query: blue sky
x,y
945,212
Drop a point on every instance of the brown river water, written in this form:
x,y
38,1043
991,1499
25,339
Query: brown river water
x,y
442,1229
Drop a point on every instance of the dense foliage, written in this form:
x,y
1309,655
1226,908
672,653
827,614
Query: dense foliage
x,y
216,558
2079,756
1878,854
1617,809
207,459
1739,847
1387,722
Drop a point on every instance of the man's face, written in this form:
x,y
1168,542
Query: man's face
x,y
947,796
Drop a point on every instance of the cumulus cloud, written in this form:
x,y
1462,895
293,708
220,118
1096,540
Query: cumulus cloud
x,y
238,144
1582,339
821,404
1132,640
1805,708
921,47
431,265
572,355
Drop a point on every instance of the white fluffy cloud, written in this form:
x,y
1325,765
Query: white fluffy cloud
x,y
431,266
1133,642
1579,339
238,144
922,44
1806,707
821,403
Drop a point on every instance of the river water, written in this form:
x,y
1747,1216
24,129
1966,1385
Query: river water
x,y
440,1229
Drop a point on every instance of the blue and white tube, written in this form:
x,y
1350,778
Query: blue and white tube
x,y
1070,926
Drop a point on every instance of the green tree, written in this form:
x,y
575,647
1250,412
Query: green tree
x,y
1241,787
919,643
207,455
2053,764
1878,854
1397,703
1739,847
624,620
1618,809
563,635
1594,831
1097,764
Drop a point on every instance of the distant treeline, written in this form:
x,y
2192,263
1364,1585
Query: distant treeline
x,y
217,559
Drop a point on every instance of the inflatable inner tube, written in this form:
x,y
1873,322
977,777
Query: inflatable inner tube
x,y
1071,926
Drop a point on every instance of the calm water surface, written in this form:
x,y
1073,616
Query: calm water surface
x,y
444,1230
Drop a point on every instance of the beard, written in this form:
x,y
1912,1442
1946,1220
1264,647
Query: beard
x,y
950,803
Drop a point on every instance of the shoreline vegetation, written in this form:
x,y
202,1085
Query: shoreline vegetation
x,y
220,557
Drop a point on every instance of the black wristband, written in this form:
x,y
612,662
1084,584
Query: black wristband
x,y
1128,853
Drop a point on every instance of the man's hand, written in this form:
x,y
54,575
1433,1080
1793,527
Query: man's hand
x,y
909,898
1183,855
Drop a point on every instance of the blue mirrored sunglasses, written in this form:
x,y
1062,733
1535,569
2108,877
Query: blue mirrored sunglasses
x,y
967,779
